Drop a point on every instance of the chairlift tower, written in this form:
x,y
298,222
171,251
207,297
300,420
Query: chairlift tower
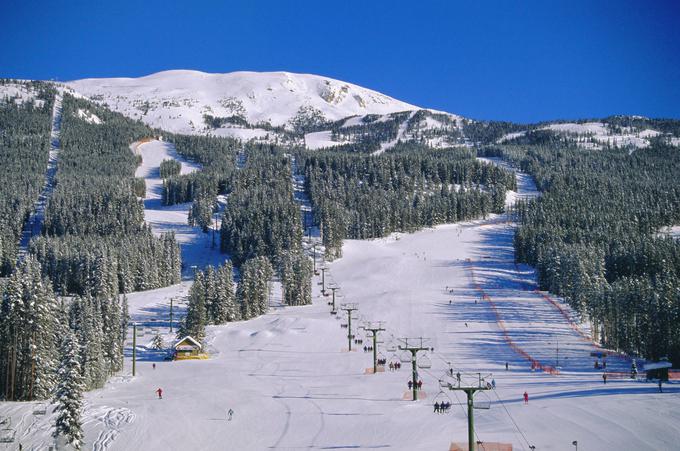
x,y
134,348
414,347
349,308
375,329
316,272
323,280
470,391
333,290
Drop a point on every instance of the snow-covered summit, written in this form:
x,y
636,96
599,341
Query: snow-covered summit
x,y
177,100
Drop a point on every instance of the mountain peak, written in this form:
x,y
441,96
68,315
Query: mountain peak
x,y
178,100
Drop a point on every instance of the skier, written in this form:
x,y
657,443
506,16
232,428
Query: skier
x,y
660,389
436,407
526,398
410,385
493,383
231,414
153,366
420,385
604,378
458,377
160,393
506,366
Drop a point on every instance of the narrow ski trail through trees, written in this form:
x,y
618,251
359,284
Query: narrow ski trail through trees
x,y
34,223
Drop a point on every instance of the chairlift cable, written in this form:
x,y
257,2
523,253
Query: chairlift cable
x,y
512,419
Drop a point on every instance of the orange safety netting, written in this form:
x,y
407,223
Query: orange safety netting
x,y
536,364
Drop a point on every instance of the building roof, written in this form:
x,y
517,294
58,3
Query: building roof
x,y
185,339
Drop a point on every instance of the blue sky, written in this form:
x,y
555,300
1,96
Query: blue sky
x,y
506,60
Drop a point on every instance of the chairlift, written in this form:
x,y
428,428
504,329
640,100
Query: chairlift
x,y
442,398
343,325
391,346
7,435
394,358
424,362
40,409
380,357
334,312
405,357
482,401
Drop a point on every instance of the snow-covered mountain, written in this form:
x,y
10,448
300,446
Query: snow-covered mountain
x,y
178,100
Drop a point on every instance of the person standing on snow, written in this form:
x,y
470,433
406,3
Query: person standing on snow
x,y
160,393
230,413
604,378
526,398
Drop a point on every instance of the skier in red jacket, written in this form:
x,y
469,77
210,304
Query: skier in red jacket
x,y
160,393
526,398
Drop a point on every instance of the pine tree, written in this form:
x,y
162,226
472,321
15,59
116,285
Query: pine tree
x,y
69,394
223,307
157,342
195,320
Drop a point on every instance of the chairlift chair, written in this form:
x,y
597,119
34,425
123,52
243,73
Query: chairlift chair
x,y
441,398
7,435
391,346
424,362
482,401
405,357
40,409
381,357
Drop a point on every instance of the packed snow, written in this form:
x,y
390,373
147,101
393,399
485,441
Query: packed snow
x,y
292,384
319,140
177,100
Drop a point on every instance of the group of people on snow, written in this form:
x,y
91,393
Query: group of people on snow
x,y
418,385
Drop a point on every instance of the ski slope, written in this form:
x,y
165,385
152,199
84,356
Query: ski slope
x,y
293,385
196,246
34,223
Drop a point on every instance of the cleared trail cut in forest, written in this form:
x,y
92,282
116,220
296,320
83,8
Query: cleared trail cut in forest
x,y
34,223
196,246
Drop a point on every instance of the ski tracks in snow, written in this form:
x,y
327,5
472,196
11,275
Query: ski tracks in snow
x,y
112,420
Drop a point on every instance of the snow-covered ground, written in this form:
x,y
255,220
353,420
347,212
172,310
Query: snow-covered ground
x,y
196,246
600,134
293,385
177,100
19,93
319,140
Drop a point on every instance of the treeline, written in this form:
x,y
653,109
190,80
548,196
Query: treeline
x,y
356,196
593,238
129,262
94,212
24,147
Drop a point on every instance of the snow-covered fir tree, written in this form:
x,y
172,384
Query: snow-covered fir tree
x,y
69,394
